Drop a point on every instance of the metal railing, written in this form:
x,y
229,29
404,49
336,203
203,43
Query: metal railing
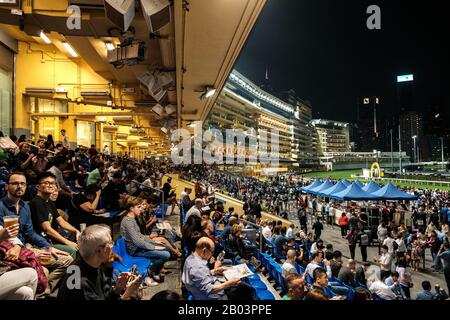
x,y
416,181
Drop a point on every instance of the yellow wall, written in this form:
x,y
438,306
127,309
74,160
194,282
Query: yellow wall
x,y
43,66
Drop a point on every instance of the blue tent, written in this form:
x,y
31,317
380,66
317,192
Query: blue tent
x,y
389,192
359,183
325,185
371,187
346,182
354,192
338,187
315,183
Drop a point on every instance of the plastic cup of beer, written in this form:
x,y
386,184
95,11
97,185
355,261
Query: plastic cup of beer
x,y
45,257
9,221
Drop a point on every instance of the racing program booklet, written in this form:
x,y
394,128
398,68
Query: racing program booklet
x,y
164,226
238,271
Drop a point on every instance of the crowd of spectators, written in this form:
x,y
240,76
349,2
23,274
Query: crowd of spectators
x,y
400,247
67,202
58,209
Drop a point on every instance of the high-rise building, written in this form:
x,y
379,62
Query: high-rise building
x,y
430,147
436,127
368,122
244,105
411,127
301,143
330,137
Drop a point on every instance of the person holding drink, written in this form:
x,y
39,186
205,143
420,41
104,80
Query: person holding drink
x,y
18,284
13,205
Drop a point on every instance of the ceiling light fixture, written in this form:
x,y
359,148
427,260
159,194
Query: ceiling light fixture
x,y
110,46
70,49
207,93
44,37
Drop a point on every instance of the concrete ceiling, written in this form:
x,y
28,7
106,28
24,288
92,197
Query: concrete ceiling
x,y
215,32
201,44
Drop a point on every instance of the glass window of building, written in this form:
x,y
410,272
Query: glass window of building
x,y
6,80
51,124
5,101
85,133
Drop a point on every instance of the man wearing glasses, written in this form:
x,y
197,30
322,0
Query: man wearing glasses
x,y
199,280
95,264
13,205
47,220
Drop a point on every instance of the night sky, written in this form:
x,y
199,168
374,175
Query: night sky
x,y
323,50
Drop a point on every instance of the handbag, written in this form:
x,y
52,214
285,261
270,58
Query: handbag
x,y
27,258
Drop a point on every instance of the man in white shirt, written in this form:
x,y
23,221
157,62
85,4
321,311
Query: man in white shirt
x,y
289,265
113,169
316,259
149,182
317,246
385,261
65,139
290,231
267,231
195,210
401,249
381,232
106,150
331,213
59,164
389,242
381,289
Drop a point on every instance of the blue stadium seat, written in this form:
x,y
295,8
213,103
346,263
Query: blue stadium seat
x,y
161,210
279,276
257,284
114,213
277,255
328,292
300,269
264,295
351,293
128,261
252,268
377,297
337,280
309,279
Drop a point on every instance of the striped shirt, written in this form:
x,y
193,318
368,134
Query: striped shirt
x,y
134,239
